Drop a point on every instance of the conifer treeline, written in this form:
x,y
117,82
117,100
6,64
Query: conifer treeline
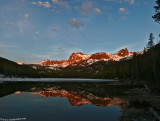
x,y
140,67
12,69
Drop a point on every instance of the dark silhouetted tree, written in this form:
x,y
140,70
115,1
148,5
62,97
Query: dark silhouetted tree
x,y
156,17
150,43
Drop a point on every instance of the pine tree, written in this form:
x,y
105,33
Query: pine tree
x,y
145,50
156,17
150,43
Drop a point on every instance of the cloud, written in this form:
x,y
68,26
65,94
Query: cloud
x,y
54,30
45,4
36,32
62,3
97,10
76,7
22,25
124,11
110,17
55,1
130,1
86,7
124,17
74,23
34,3
5,45
118,1
12,23
40,3
26,15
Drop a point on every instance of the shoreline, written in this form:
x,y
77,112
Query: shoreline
x,y
57,80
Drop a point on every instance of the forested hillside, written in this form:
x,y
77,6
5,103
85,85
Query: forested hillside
x,y
141,67
12,69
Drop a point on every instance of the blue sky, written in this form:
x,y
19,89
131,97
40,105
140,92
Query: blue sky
x,y
34,30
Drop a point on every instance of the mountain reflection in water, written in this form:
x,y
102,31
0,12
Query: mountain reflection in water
x,y
78,100
79,93
62,101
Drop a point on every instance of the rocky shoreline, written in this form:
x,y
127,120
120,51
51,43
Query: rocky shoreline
x,y
144,105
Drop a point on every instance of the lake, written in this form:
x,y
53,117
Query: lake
x,y
61,101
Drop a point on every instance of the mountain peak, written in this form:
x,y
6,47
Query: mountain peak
x,y
76,56
99,56
47,62
123,52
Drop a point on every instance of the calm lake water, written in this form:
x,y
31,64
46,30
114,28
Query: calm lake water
x,y
61,101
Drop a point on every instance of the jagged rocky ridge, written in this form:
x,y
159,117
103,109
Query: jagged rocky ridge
x,y
80,59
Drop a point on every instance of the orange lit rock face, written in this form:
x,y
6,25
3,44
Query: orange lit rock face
x,y
59,62
99,56
18,92
20,63
75,57
77,100
123,52
47,63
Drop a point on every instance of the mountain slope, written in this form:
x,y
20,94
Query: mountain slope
x,y
13,69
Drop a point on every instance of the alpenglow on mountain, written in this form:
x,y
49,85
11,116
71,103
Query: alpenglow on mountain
x,y
80,59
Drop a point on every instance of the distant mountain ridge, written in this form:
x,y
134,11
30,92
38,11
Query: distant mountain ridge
x,y
80,59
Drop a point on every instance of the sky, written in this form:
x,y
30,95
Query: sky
x,y
34,30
